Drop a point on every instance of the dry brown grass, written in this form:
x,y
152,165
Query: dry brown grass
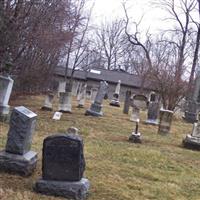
x,y
159,168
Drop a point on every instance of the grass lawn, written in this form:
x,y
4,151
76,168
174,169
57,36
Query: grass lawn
x,y
159,168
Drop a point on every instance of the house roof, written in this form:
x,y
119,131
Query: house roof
x,y
111,76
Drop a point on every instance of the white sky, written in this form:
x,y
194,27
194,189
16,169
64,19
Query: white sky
x,y
106,10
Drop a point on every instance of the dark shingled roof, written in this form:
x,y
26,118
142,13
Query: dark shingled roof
x,y
111,76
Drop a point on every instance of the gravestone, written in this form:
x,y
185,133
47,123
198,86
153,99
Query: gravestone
x,y
61,86
127,102
135,114
65,102
95,108
57,116
191,114
48,106
135,135
115,100
152,115
140,101
82,96
6,84
165,121
192,141
93,94
63,165
191,111
17,157
152,97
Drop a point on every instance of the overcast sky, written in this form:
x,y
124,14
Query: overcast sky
x,y
107,10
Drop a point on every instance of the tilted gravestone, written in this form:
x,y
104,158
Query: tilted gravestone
x,y
115,100
127,102
165,121
140,101
192,141
63,165
6,84
17,157
152,115
95,108
82,96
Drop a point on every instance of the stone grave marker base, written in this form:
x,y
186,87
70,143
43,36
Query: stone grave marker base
x,y
151,122
115,103
94,110
191,142
23,165
135,138
77,190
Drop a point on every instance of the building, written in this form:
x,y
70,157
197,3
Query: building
x,y
94,76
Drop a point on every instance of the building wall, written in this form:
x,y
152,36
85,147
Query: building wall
x,y
93,84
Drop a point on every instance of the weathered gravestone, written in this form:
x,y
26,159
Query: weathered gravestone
x,y
165,121
95,108
63,165
93,94
140,101
135,136
135,114
65,105
191,111
17,157
193,102
115,100
48,105
152,115
127,102
53,87
82,96
6,84
192,141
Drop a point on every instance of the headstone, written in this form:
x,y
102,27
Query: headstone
x,y
136,136
17,157
75,86
93,94
135,114
61,87
193,104
127,102
140,101
152,115
63,165
152,97
6,84
65,102
192,141
95,108
115,100
57,116
82,96
48,106
191,111
165,121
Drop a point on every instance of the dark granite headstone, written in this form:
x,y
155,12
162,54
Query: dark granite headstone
x,y
63,158
191,112
17,157
63,165
127,102
152,115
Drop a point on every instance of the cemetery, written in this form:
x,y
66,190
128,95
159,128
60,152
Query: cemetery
x,y
99,100
113,167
